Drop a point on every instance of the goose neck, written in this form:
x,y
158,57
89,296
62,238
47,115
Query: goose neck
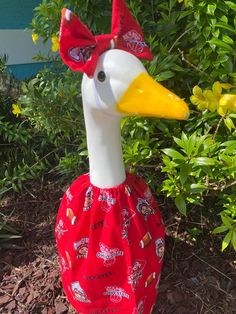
x,y
103,133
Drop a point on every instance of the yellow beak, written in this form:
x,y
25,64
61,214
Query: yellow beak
x,y
146,97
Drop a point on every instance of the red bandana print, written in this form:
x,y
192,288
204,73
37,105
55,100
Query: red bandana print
x,y
80,49
110,248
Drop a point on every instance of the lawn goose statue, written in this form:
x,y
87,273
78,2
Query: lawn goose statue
x,y
109,231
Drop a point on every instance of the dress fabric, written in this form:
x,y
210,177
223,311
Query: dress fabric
x,y
111,247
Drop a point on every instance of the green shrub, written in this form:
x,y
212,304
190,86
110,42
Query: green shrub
x,y
25,152
193,44
201,164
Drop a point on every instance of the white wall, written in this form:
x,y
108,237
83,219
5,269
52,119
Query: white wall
x,y
17,44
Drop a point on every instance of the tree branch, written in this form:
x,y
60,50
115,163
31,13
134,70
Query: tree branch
x,y
189,63
215,187
182,35
218,126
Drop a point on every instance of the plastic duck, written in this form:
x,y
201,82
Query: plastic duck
x,y
109,230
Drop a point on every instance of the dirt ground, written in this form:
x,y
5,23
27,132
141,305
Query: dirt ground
x,y
197,278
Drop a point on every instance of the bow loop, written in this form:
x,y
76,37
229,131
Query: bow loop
x,y
130,35
78,46
80,49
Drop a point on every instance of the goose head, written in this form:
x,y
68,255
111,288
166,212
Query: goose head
x,y
122,87
115,84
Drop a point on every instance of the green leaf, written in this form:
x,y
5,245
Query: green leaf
x,y
184,172
231,4
226,159
227,39
135,147
15,188
190,144
204,161
173,153
233,240
211,9
220,44
230,149
226,221
224,19
229,123
226,240
220,229
163,76
197,188
206,31
178,141
181,204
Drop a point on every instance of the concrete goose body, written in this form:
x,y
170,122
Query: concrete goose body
x,y
109,230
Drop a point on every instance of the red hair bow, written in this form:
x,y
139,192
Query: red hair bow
x,y
80,49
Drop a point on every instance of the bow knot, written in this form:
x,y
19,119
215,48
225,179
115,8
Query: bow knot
x,y
104,42
80,49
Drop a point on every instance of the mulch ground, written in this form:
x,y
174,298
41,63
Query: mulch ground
x,y
197,278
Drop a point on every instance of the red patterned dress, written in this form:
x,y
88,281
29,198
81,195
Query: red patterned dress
x,y
111,247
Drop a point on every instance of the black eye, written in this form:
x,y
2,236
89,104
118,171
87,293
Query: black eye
x,y
101,76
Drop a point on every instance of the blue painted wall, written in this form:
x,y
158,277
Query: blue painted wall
x,y
17,14
26,71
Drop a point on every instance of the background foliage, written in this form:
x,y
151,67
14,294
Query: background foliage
x,y
194,44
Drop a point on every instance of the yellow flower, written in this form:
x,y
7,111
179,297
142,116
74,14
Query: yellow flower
x,y
227,104
16,110
207,99
212,100
213,97
55,43
35,38
198,99
217,89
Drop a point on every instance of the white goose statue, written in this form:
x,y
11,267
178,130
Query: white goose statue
x,y
109,230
